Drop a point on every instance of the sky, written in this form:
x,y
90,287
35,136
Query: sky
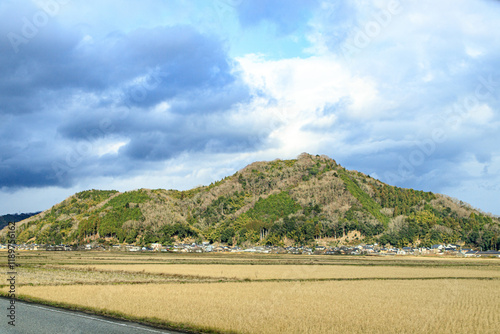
x,y
175,94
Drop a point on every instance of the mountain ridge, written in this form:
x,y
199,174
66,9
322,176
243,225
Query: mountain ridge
x,y
308,200
14,218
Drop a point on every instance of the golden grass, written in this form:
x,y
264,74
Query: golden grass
x,y
368,306
58,276
418,306
264,272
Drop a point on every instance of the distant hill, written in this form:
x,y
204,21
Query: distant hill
x,y
16,217
308,200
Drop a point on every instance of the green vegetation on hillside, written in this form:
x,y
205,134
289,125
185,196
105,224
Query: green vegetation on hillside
x,y
299,201
402,200
270,209
222,207
431,226
366,201
108,221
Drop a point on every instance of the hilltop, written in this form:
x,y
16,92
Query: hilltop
x,y
308,200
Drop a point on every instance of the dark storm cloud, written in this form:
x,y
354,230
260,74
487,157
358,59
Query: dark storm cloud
x,y
166,61
162,145
32,68
179,60
65,93
27,164
163,136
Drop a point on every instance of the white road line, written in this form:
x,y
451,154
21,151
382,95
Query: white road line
x,y
93,318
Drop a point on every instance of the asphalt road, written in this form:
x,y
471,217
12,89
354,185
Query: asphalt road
x,y
41,319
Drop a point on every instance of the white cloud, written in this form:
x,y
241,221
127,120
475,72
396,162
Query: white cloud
x,y
110,147
304,86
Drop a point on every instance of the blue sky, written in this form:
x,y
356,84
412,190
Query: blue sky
x,y
174,94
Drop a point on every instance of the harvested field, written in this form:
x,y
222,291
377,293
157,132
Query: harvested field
x,y
259,293
449,306
286,272
64,276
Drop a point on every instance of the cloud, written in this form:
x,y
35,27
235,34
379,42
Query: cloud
x,y
379,111
141,96
114,98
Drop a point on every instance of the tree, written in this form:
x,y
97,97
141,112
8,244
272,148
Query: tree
x,y
131,236
227,236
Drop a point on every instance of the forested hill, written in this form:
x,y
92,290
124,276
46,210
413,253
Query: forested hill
x,y
14,218
308,200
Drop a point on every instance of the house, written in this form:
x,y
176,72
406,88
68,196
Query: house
x,y
471,253
465,250
156,246
436,249
391,251
369,248
57,248
449,250
331,251
424,250
408,250
488,253
196,249
219,249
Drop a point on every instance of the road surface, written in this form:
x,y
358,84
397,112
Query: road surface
x,y
41,319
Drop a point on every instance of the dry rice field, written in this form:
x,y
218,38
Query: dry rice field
x,y
299,272
232,293
301,307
